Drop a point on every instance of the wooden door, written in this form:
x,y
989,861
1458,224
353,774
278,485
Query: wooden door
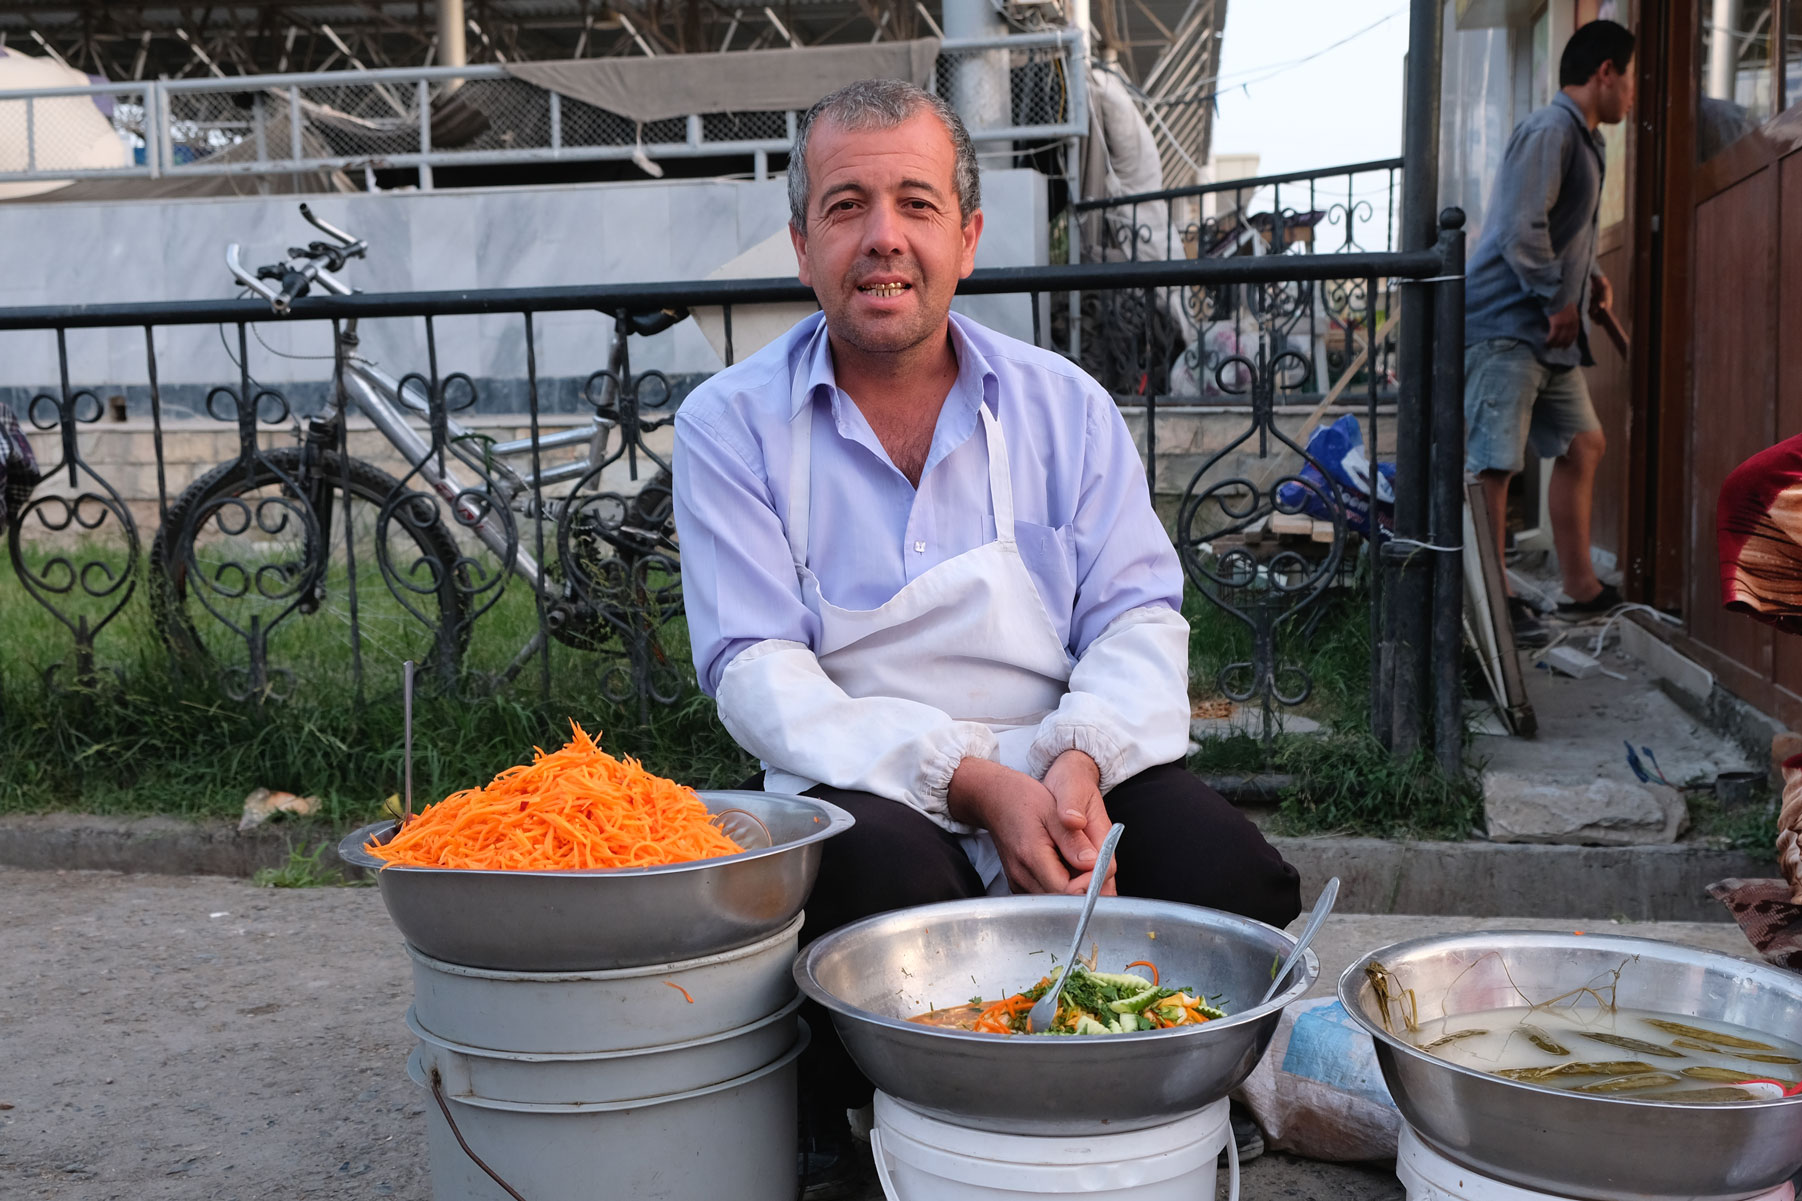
x,y
1733,405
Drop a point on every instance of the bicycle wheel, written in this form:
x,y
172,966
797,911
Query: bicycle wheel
x,y
617,557
242,586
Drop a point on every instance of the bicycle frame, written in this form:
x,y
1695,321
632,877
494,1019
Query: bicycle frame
x,y
370,389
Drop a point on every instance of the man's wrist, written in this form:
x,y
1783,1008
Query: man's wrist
x,y
1074,760
967,794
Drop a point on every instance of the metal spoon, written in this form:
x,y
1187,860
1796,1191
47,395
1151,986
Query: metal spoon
x,y
1322,907
406,709
1044,1010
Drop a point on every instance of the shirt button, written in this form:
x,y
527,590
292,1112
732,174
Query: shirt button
x,y
919,548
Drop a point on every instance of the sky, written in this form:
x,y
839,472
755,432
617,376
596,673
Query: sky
x,y
1344,106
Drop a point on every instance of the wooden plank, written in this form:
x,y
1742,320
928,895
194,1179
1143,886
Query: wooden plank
x,y
1789,352
1671,104
1299,524
1486,606
1734,393
1322,531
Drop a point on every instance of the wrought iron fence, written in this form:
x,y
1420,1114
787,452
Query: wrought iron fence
x,y
504,558
1025,87
1172,343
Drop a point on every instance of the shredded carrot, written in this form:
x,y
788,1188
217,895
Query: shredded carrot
x,y
681,990
1146,963
572,809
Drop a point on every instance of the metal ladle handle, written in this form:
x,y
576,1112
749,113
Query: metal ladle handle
x,y
1044,1011
406,709
1322,907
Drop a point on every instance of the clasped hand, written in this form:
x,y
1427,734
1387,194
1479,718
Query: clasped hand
x,y
1047,832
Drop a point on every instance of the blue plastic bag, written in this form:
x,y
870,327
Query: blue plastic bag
x,y
1339,449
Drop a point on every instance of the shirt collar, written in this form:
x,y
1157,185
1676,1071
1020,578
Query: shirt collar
x,y
1571,107
976,379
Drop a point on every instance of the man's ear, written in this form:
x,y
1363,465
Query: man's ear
x,y
800,241
972,235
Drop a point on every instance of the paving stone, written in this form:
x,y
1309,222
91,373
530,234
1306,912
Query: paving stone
x,y
1600,813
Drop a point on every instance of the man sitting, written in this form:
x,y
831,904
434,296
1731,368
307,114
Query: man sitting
x,y
925,582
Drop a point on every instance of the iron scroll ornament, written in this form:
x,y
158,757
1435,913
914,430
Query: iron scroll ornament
x,y
617,552
83,592
1266,595
251,599
464,586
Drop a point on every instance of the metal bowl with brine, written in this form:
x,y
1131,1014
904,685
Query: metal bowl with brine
x,y
1562,1143
604,920
873,975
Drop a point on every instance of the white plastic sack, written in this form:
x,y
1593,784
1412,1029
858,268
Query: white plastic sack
x,y
1318,1091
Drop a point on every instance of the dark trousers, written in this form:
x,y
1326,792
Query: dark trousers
x,y
1183,842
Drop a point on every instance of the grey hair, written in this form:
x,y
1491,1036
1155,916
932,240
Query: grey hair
x,y
883,104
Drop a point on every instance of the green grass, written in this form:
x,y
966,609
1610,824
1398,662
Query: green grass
x,y
1346,781
142,739
1749,827
304,870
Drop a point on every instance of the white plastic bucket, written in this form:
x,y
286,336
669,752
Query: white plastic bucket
x,y
1430,1176
921,1158
629,1008
733,1139
593,1076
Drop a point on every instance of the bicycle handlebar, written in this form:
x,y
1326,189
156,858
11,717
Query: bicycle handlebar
x,y
318,262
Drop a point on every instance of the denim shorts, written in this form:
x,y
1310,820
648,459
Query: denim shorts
x,y
1512,401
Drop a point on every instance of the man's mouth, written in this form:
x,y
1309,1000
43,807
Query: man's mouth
x,y
894,289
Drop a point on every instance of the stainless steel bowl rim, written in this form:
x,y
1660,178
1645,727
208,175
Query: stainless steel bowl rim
x,y
788,930
351,847
804,977
1353,976
787,1011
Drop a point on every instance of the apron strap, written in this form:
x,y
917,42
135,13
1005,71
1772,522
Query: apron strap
x,y
800,482
800,467
1001,484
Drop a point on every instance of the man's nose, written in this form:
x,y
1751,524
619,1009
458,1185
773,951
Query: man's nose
x,y
882,231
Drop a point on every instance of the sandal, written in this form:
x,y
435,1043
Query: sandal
x,y
1607,599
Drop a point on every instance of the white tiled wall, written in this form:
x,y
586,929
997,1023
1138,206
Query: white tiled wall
x,y
515,237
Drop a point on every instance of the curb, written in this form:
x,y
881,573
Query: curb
x,y
1467,879
168,846
1493,879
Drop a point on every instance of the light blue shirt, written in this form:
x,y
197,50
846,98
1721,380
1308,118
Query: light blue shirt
x,y
1084,522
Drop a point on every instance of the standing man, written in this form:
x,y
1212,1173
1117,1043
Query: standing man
x,y
1531,280
924,580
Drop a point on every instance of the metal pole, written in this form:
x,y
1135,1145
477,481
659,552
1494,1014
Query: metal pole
x,y
452,51
1448,496
422,100
981,90
1406,665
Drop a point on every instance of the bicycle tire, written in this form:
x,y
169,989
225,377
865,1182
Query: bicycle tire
x,y
172,605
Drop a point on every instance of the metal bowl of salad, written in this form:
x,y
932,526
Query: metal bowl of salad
x,y
604,920
917,996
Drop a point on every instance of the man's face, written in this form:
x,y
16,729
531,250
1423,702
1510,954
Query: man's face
x,y
1614,93
885,243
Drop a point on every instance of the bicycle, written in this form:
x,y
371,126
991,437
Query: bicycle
x,y
282,532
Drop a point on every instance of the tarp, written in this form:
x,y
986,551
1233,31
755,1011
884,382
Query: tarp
x,y
76,133
66,132
742,81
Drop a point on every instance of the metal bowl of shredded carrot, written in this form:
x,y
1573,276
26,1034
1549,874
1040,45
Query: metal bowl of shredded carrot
x,y
580,861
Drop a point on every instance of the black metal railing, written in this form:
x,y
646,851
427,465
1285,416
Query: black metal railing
x,y
294,545
1183,335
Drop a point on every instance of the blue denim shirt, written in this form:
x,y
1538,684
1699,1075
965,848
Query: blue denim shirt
x,y
1537,250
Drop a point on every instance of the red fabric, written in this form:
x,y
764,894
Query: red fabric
x,y
1758,528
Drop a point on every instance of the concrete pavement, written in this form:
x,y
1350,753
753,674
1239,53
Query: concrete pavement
x,y
203,1039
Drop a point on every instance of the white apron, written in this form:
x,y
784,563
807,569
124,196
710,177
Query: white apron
x,y
970,636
